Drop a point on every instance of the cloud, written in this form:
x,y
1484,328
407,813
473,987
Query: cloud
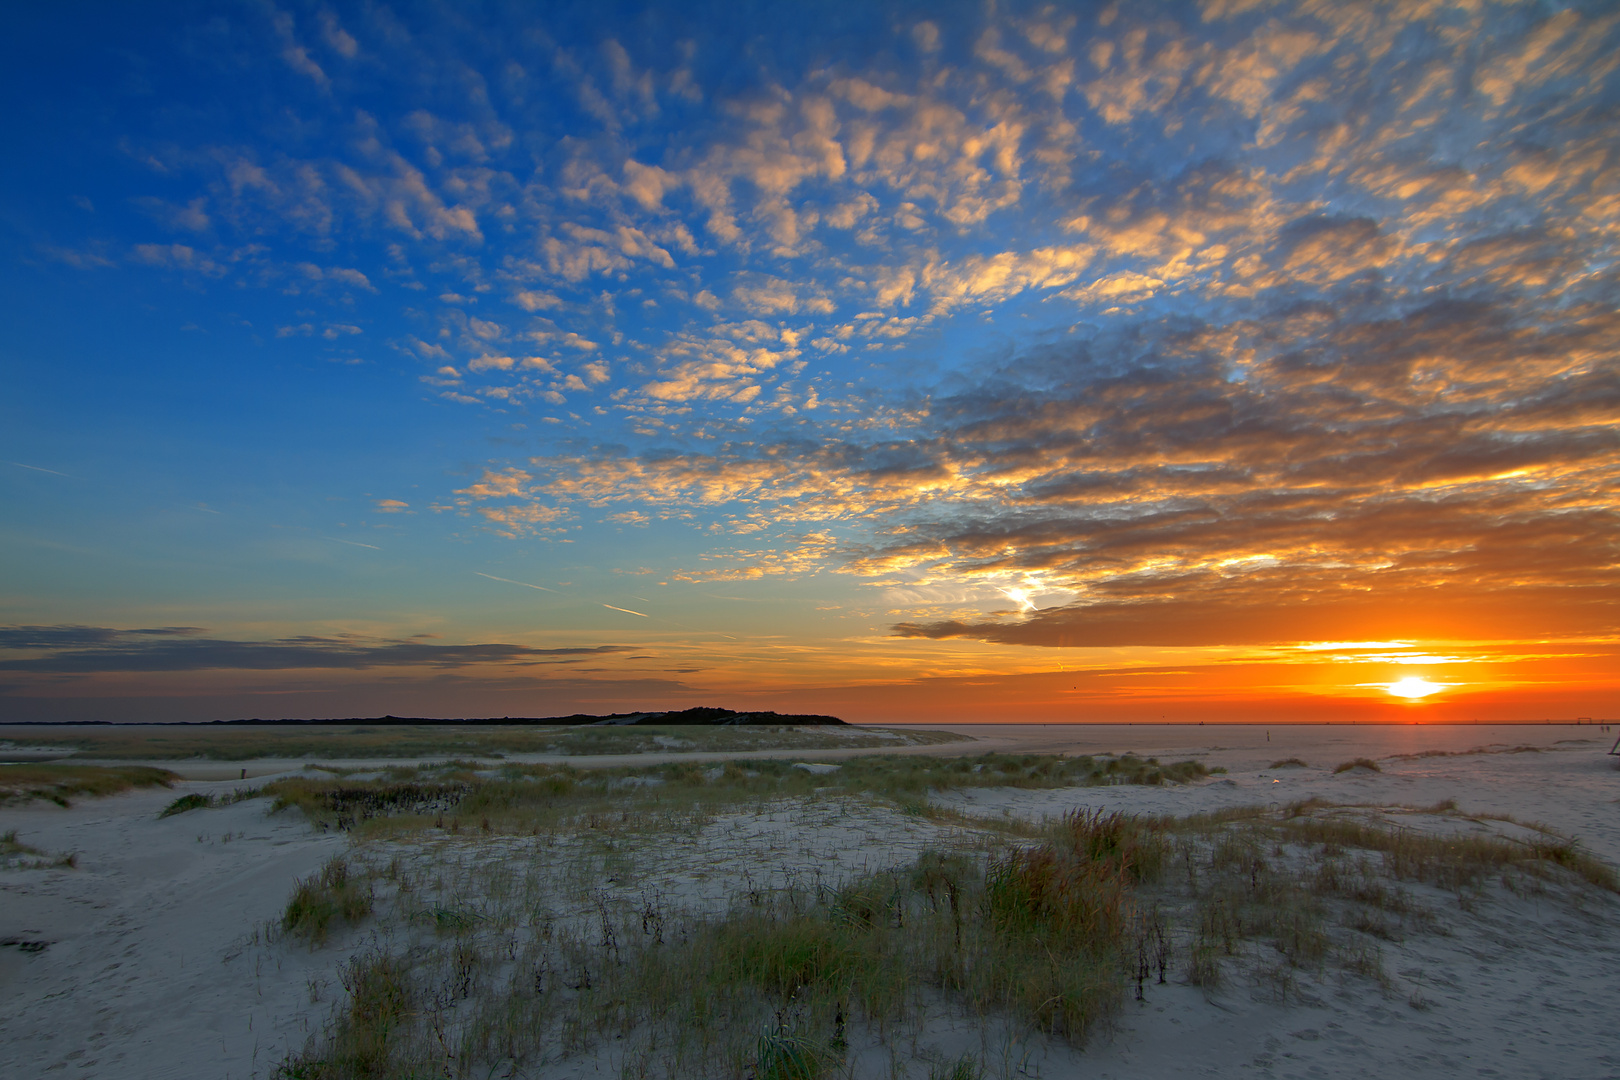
x,y
295,54
1446,467
1239,308
81,650
535,300
177,257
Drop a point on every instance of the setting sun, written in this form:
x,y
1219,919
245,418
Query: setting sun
x,y
1413,687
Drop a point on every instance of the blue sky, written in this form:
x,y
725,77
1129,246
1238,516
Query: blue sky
x,y
1023,360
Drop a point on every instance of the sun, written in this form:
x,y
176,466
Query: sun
x,y
1413,687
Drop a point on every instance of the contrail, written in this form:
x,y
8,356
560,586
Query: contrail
x,y
626,610
509,581
37,468
356,543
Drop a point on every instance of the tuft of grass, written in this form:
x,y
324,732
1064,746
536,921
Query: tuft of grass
x,y
333,893
783,1054
1358,763
199,801
59,783
1290,763
20,856
191,801
1122,842
381,1001
966,1067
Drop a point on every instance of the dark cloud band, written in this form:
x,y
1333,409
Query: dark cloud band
x,y
89,650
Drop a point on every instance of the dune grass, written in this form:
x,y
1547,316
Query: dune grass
x,y
16,855
1358,763
504,960
1290,763
523,798
335,893
777,986
178,743
60,783
199,801
506,950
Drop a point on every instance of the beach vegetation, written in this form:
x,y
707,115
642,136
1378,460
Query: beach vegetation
x,y
459,795
60,783
1290,763
776,986
1359,763
202,801
16,855
515,946
182,742
334,893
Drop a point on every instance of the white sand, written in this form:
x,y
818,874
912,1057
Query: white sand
x,y
1520,987
151,970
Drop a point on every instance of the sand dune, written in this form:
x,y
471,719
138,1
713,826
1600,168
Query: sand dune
x,y
148,959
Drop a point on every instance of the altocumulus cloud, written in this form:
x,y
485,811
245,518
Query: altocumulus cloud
x,y
88,650
1310,308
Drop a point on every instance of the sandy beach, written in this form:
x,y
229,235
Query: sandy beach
x,y
156,955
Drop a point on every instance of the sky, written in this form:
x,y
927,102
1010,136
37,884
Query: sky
x,y
1235,361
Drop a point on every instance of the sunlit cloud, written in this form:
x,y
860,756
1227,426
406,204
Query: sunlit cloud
x,y
1286,329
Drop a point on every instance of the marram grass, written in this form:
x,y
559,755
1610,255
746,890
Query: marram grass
x,y
777,986
522,798
507,960
61,783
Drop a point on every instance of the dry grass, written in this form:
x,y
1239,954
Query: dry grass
x,y
58,783
1358,763
16,855
200,801
510,953
524,798
1314,887
335,893
163,743
780,985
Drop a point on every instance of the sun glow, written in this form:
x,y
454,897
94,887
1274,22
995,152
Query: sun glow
x,y
1021,598
1413,687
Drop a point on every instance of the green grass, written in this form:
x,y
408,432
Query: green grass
x,y
60,783
16,855
771,988
522,959
336,893
523,798
441,740
199,801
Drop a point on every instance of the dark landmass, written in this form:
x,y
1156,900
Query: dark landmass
x,y
695,716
